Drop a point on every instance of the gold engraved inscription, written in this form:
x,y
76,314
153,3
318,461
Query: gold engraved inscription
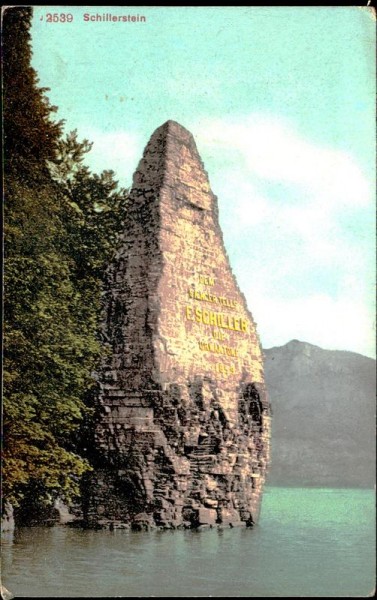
x,y
218,348
220,322
206,296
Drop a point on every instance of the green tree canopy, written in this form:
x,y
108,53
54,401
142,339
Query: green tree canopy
x,y
61,226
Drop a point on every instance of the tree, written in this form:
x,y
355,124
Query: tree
x,y
30,135
61,224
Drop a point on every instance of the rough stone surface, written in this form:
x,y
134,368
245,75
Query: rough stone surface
x,y
183,434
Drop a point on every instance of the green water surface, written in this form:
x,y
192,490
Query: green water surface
x,y
309,543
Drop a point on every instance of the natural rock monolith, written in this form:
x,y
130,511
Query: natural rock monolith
x,y
183,432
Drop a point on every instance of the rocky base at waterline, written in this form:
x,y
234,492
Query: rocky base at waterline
x,y
7,518
51,517
144,523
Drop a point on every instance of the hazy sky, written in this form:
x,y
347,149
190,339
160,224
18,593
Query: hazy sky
x,y
280,101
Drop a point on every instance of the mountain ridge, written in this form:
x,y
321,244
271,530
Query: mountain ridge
x,y
298,343
323,407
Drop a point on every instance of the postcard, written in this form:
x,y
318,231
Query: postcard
x,y
189,342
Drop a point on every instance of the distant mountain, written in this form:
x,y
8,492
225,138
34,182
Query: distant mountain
x,y
323,422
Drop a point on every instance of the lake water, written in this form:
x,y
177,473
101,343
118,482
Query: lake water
x,y
309,543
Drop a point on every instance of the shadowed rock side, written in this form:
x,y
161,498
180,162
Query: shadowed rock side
x,y
183,432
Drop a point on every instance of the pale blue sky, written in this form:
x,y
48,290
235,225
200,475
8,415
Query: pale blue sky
x,y
280,101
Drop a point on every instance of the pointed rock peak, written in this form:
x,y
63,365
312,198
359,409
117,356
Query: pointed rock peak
x,y
176,130
171,139
168,131
171,159
173,130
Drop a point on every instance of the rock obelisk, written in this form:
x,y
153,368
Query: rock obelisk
x,y
183,432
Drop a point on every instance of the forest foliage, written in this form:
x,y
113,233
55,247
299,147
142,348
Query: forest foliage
x,y
61,224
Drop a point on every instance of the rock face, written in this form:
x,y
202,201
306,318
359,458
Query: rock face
x,y
183,435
